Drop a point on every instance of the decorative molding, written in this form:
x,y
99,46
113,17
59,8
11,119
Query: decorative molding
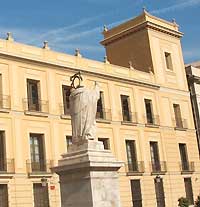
x,y
77,69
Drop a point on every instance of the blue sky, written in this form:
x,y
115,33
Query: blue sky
x,y
68,25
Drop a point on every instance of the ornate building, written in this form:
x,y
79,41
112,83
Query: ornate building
x,y
193,77
144,116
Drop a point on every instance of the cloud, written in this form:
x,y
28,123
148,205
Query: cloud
x,y
56,33
177,6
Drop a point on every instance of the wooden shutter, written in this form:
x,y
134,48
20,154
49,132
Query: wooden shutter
x,y
41,196
136,193
188,190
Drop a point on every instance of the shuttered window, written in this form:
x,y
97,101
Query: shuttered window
x,y
3,195
66,94
125,103
2,151
41,197
160,195
136,193
188,190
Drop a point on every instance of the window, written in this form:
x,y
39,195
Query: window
x,y
41,196
131,155
1,92
136,193
160,195
37,152
149,111
33,95
100,107
3,166
155,160
66,94
3,195
177,113
68,141
105,142
188,190
168,61
184,157
125,102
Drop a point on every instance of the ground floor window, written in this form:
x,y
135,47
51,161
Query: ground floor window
x,y
3,195
160,195
41,195
136,193
188,190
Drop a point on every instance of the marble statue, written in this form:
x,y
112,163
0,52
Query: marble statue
x,y
83,108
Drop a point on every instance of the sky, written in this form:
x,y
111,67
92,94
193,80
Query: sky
x,y
68,25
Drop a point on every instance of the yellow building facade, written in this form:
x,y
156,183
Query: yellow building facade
x,y
144,116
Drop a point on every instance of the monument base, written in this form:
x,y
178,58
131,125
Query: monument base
x,y
88,176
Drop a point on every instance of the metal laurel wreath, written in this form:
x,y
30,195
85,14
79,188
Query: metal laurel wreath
x,y
74,77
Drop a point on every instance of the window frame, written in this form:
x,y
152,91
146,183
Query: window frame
x,y
34,104
126,113
168,61
105,141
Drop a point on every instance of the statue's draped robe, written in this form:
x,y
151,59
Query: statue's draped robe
x,y
83,107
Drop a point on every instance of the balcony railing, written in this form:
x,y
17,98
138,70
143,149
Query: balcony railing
x,y
152,120
180,124
4,102
137,167
187,167
129,117
38,106
7,166
37,167
103,114
158,167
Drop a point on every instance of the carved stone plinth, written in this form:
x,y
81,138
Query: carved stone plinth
x,y
88,176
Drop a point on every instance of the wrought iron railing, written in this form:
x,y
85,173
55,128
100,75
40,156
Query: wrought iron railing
x,y
158,167
136,167
187,167
103,114
4,102
180,123
152,119
7,166
129,117
36,106
40,166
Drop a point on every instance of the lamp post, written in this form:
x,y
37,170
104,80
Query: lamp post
x,y
44,181
158,178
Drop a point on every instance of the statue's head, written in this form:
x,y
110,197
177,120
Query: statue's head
x,y
76,80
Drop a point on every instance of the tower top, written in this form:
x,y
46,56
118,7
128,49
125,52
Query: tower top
x,y
144,21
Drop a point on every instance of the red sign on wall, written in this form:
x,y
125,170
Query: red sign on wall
x,y
52,187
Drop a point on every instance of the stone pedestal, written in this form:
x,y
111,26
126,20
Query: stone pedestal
x,y
88,176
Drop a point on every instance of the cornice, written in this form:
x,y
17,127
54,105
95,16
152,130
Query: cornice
x,y
60,66
139,27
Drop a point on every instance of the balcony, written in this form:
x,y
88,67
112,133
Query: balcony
x,y
37,108
7,166
4,102
180,124
152,120
39,168
159,167
103,115
129,117
187,167
135,168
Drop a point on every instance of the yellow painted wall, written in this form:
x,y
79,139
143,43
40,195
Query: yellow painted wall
x,y
19,62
